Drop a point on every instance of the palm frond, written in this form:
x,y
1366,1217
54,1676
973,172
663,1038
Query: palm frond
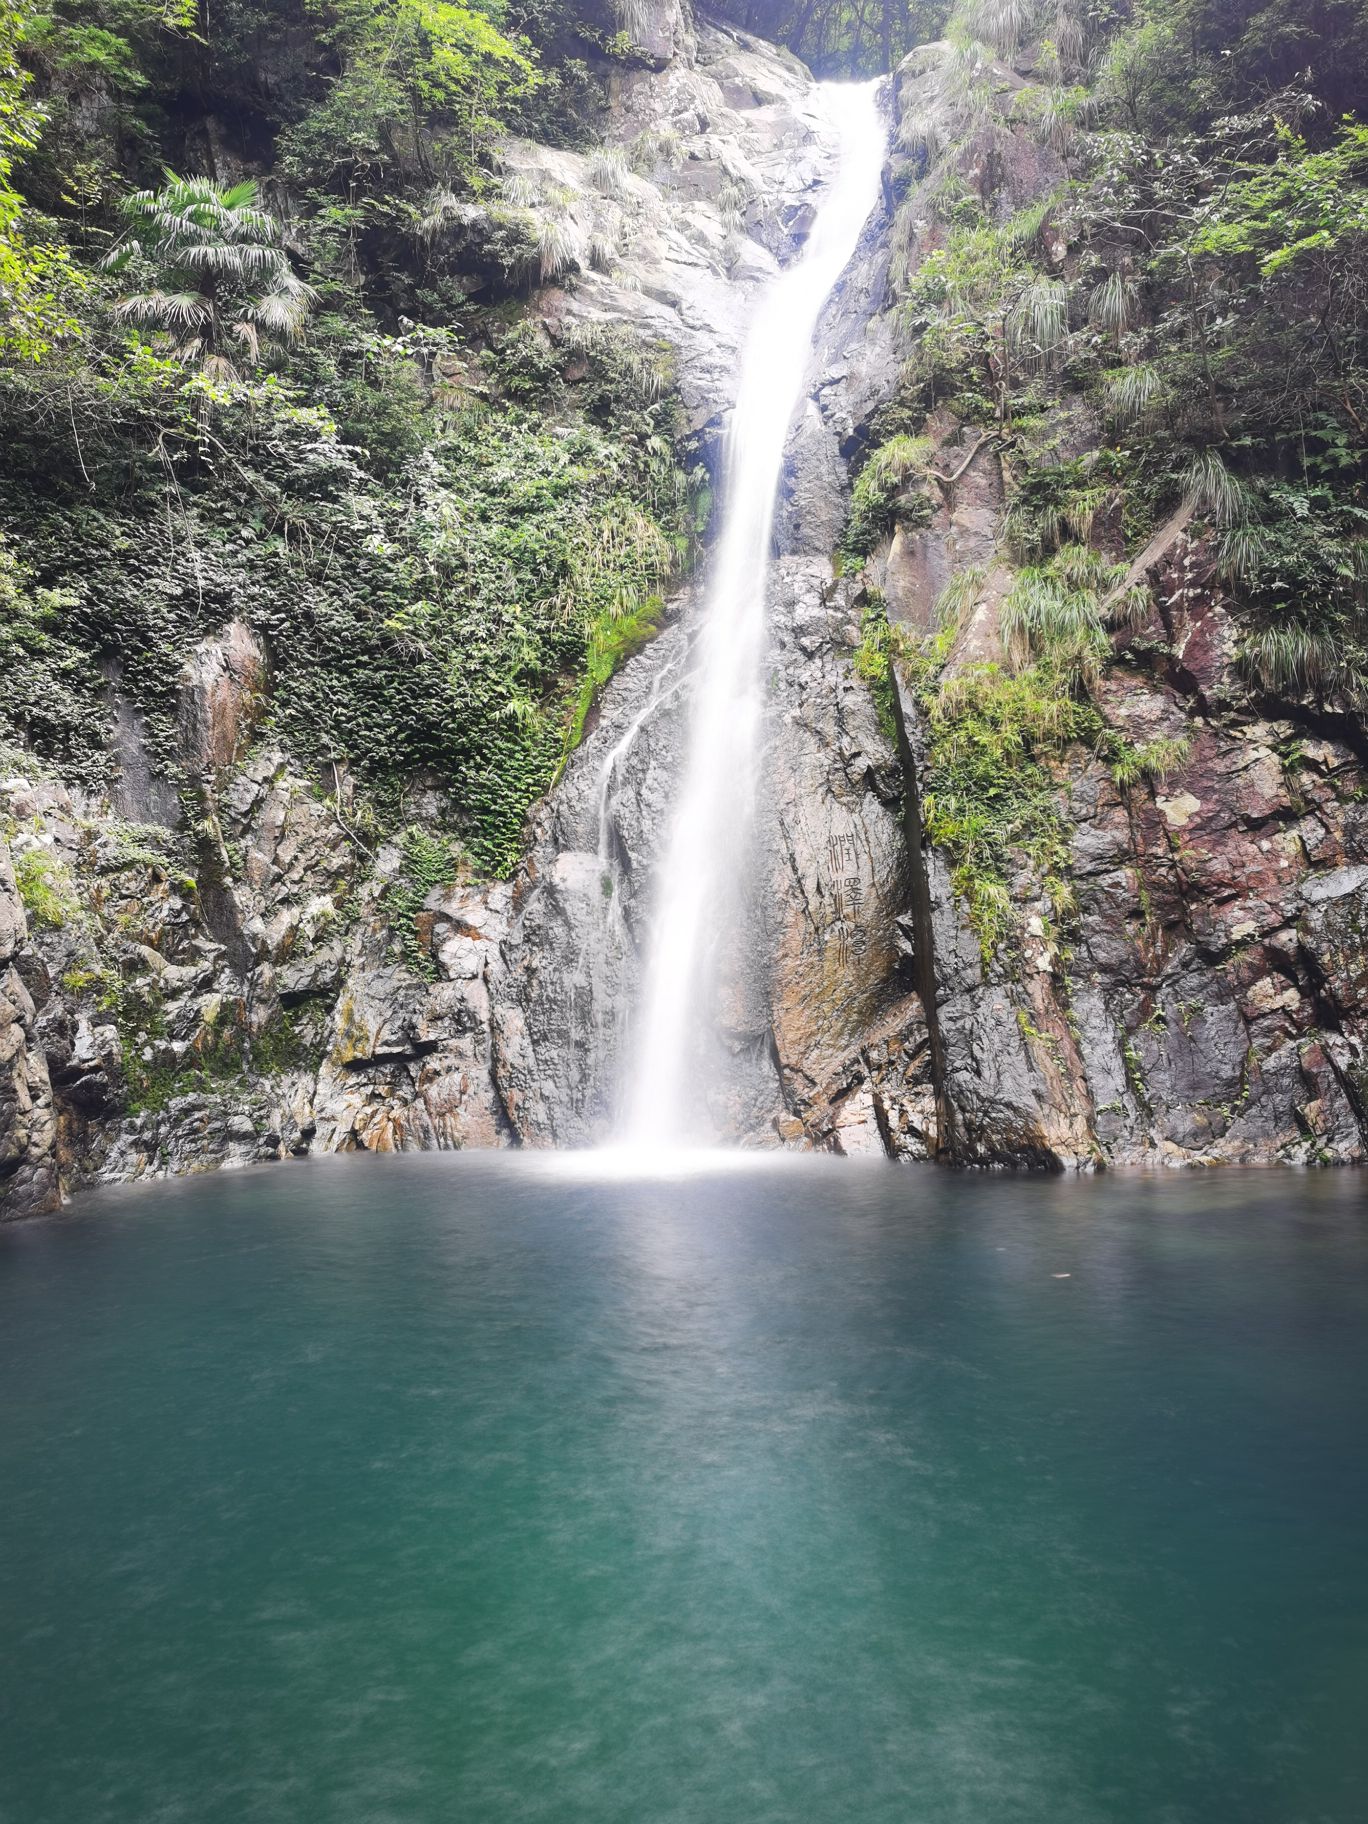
x,y
209,242
165,309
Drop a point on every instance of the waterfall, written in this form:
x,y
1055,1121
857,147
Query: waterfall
x,y
703,862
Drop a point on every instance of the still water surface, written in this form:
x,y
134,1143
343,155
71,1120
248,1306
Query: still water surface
x,y
463,1491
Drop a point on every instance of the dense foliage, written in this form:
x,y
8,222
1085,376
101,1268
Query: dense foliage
x,y
280,401
306,400
1183,300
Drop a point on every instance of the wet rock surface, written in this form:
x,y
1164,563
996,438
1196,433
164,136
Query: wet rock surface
x,y
1205,1004
28,1168
206,996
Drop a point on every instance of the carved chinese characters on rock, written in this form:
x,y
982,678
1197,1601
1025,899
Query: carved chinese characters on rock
x,y
845,935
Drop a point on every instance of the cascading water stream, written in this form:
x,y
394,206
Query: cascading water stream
x,y
706,849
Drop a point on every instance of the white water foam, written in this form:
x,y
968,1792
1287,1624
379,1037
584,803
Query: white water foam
x,y
706,848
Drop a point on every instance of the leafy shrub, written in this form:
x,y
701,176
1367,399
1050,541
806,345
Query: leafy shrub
x,y
46,889
886,490
988,796
426,862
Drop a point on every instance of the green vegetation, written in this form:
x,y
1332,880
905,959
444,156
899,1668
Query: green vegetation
x,y
220,276
879,645
843,37
426,863
226,1058
619,631
1192,274
989,796
434,618
1200,272
37,279
445,530
889,488
46,889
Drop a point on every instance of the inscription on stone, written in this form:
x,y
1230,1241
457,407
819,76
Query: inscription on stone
x,y
846,933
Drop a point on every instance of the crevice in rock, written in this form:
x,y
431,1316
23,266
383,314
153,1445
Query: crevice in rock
x,y
923,942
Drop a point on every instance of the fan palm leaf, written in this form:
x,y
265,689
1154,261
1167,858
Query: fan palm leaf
x,y
222,266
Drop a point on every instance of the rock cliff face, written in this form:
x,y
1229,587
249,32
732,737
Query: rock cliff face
x,y
28,1128
1210,1004
1207,1004
216,982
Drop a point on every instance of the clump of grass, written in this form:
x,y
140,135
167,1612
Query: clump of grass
x,y
733,199
1054,114
957,601
1038,323
642,369
881,494
654,148
1054,506
612,640
559,247
1291,658
608,171
1054,612
1134,394
46,889
1210,488
521,189
1156,760
1114,304
999,23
